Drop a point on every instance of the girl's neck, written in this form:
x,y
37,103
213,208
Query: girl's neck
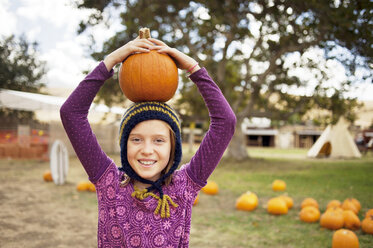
x,y
140,185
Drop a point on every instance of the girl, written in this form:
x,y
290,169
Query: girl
x,y
147,202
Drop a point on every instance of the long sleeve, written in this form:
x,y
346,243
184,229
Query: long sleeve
x,y
74,114
221,130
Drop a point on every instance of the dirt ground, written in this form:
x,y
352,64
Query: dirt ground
x,y
34,213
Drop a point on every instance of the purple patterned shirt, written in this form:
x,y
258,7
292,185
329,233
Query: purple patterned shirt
x,y
124,221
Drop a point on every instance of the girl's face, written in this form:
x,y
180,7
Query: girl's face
x,y
148,148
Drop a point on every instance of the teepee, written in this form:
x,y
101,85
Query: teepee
x,y
335,142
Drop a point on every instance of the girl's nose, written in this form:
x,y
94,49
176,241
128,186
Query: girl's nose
x,y
147,149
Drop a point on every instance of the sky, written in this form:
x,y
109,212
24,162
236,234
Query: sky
x,y
53,24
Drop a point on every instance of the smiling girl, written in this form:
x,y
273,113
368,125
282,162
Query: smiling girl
x,y
147,201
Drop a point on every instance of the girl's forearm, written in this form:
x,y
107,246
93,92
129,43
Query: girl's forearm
x,y
221,130
74,119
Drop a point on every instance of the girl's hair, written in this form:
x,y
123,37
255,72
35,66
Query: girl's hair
x,y
126,179
168,180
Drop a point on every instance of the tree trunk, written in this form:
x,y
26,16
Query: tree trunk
x,y
237,148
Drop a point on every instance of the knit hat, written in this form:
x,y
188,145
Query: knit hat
x,y
143,111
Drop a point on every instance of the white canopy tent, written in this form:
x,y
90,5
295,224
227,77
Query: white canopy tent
x,y
31,102
46,109
335,142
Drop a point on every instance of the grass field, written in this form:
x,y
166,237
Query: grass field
x,y
68,219
216,223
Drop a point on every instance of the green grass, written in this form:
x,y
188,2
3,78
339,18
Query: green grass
x,y
216,222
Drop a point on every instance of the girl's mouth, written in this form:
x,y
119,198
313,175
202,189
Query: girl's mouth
x,y
147,163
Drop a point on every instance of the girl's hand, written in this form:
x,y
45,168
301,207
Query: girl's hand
x,y
135,46
182,60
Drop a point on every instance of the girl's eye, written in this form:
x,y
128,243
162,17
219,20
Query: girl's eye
x,y
136,140
159,141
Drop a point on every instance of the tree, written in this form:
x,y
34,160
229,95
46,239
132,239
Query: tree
x,y
20,69
249,47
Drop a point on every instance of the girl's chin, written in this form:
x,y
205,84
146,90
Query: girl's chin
x,y
150,177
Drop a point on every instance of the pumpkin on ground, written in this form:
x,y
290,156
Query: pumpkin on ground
x,y
278,185
288,200
333,204
332,220
356,203
247,201
350,204
337,209
367,225
277,206
309,214
211,188
369,213
344,238
351,221
47,176
83,186
91,187
150,76
309,202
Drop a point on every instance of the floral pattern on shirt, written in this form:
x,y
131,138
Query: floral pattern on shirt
x,y
133,222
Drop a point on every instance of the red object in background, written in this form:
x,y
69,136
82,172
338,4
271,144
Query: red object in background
x,y
8,136
39,137
9,147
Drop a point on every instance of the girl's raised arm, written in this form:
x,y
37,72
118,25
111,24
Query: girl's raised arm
x,y
74,114
223,119
221,129
74,111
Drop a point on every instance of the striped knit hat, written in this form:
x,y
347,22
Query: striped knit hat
x,y
142,111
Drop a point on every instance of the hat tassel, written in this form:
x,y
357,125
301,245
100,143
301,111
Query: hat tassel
x,y
163,202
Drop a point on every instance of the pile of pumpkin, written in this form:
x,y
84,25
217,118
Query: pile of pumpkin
x,y
81,186
339,216
342,217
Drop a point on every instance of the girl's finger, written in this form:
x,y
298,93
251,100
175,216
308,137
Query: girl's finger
x,y
144,45
158,47
157,42
147,44
162,50
141,50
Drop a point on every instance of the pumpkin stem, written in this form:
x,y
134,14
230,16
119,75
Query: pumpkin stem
x,y
144,33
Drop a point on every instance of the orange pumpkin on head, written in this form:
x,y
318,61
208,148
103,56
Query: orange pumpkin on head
x,y
148,76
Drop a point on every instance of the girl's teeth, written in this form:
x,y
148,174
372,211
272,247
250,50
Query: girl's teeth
x,y
147,162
